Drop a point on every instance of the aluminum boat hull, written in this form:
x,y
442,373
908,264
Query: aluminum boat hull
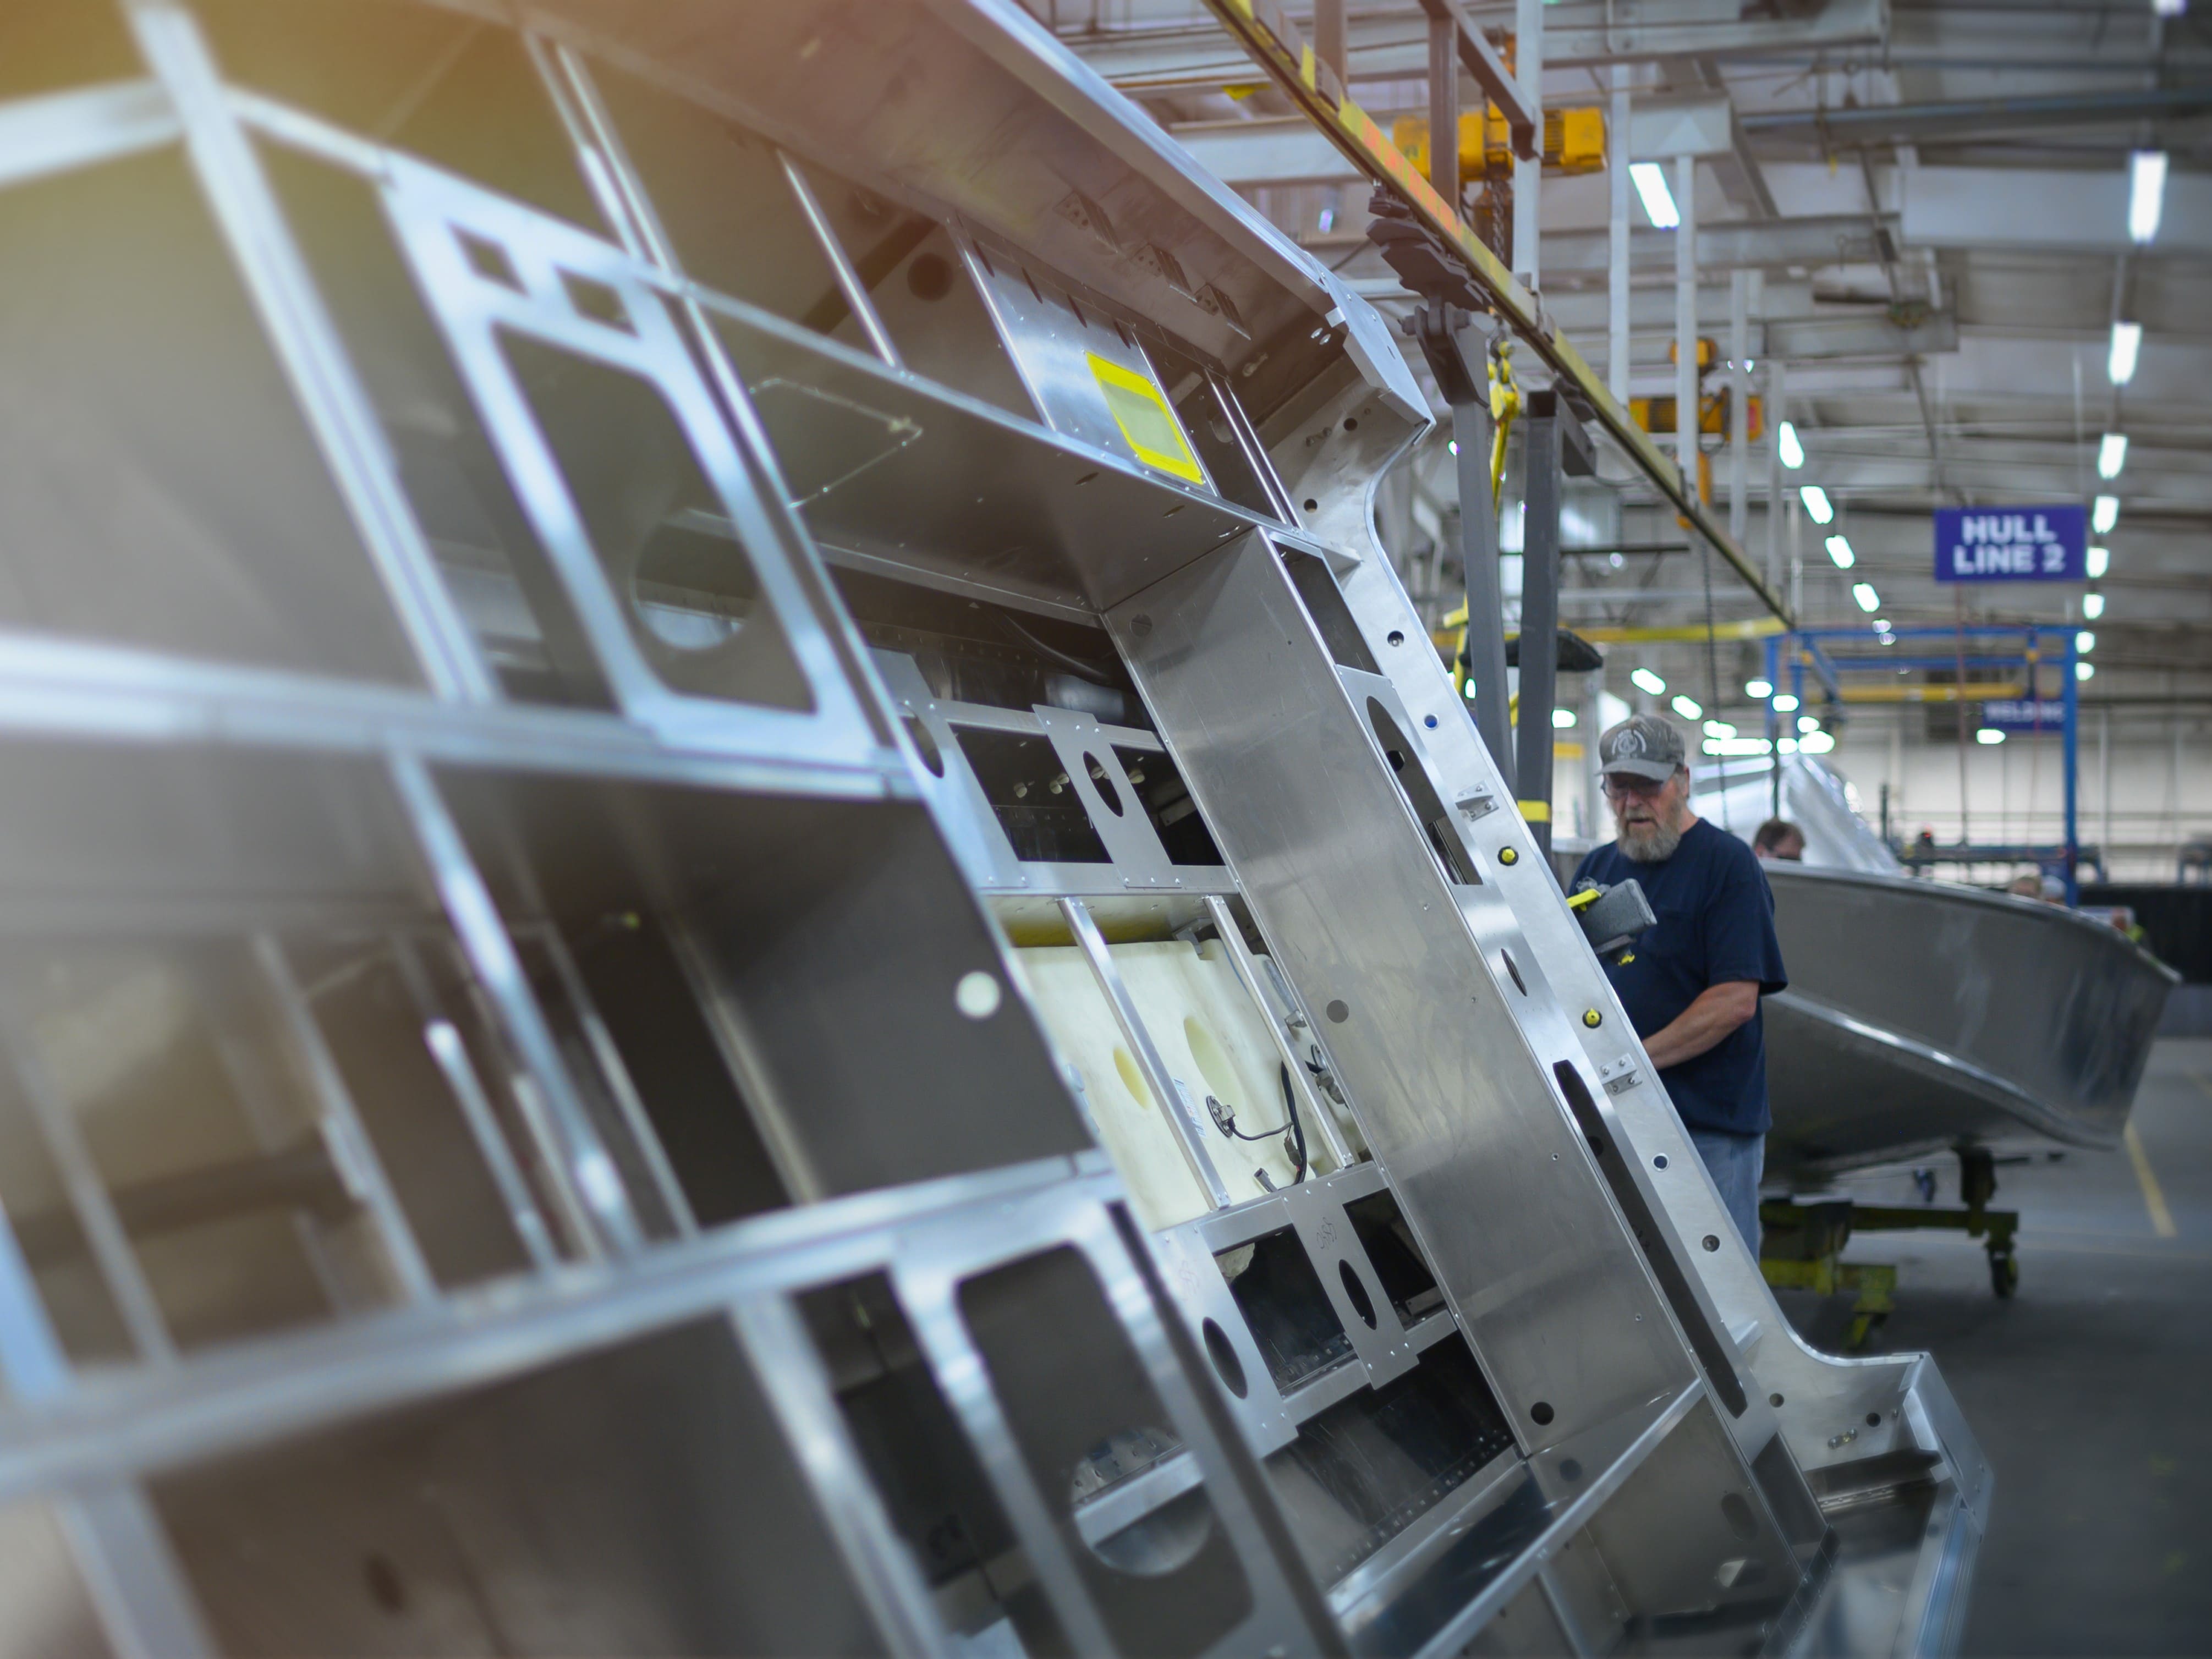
x,y
1922,1015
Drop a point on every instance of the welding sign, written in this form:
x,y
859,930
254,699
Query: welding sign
x,y
2012,544
2024,715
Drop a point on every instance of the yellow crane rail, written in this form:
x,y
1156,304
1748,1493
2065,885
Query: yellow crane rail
x,y
1276,46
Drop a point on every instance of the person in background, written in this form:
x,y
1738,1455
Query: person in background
x,y
1692,986
1778,838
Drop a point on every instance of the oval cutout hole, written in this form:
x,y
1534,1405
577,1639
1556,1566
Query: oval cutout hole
x,y
1101,783
1362,1304
1741,1521
925,744
1226,1364
1513,969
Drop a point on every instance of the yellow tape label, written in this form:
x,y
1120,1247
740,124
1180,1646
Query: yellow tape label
x,y
1142,413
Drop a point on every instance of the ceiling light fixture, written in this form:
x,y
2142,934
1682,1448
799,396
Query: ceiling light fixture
x,y
1839,549
2146,193
1785,704
1786,445
2085,671
1869,601
2127,346
2104,514
1650,181
1816,504
2092,605
1688,708
1647,681
1806,723
2085,642
2111,454
1988,736
1563,718
1758,690
2100,561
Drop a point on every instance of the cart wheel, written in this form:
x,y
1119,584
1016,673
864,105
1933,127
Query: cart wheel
x,y
2004,1273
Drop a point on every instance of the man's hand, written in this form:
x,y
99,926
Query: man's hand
x,y
1718,1010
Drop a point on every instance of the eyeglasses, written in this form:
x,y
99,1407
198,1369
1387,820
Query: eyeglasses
x,y
1618,786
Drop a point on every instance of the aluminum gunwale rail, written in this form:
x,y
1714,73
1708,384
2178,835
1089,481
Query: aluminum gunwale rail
x,y
1274,43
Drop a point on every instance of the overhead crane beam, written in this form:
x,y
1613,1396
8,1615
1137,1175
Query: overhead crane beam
x,y
1276,44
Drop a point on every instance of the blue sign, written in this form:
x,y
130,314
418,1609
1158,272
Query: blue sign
x,y
2024,713
2012,544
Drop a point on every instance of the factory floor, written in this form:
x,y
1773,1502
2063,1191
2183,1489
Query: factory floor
x,y
2091,1389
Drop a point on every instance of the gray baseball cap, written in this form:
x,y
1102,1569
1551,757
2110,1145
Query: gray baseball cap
x,y
1643,746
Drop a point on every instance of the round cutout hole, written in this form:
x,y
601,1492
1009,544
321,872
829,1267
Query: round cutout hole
x,y
1340,1011
1711,1241
1774,1400
929,277
1542,1411
1397,637
1660,1161
1569,1469
978,994
1874,1420
1223,1353
1356,1292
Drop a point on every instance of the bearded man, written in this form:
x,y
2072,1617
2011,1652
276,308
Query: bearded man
x,y
1692,984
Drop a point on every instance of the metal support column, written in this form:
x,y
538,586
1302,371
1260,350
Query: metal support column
x,y
1739,384
1685,321
1528,170
1460,360
1616,291
2071,742
1444,109
1777,378
1556,446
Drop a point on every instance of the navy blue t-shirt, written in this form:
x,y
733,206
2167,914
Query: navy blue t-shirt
x,y
1715,923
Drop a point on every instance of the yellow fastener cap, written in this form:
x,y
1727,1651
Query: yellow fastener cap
x,y
1592,1019
1508,855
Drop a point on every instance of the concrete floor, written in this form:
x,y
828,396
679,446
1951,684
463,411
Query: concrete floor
x,y
2091,1390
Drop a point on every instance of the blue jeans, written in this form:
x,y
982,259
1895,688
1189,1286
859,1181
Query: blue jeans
x,y
1735,1163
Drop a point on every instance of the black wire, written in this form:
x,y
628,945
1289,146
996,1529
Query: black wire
x,y
1292,1123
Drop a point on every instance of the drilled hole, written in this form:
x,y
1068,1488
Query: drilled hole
x,y
1542,1411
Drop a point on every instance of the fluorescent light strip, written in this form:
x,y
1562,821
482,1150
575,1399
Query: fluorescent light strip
x,y
1650,181
2127,346
2146,194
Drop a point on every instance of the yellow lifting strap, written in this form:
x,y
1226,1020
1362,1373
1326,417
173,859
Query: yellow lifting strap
x,y
1504,406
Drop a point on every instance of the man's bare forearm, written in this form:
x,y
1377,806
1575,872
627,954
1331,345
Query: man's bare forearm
x,y
1718,1010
